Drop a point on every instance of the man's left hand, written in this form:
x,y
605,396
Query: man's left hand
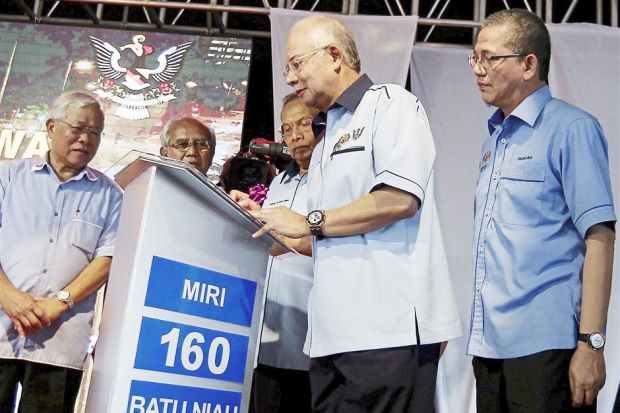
x,y
52,307
586,374
282,221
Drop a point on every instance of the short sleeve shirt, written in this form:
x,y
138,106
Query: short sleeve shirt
x,y
371,289
50,231
543,182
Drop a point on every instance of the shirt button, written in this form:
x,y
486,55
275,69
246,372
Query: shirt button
x,y
44,270
486,212
51,240
478,289
504,140
55,214
494,177
480,248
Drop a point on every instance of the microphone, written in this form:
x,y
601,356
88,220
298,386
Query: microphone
x,y
274,149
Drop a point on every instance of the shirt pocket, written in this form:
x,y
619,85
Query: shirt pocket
x,y
520,194
347,150
85,233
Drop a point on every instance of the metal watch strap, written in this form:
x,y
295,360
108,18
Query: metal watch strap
x,y
68,300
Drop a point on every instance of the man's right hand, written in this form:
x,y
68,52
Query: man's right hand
x,y
23,311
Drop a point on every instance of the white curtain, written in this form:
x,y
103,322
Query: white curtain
x,y
585,71
384,44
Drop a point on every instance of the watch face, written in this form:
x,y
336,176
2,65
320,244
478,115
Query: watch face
x,y
62,295
597,340
315,217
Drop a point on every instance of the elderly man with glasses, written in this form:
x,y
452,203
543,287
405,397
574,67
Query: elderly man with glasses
x,y
189,140
543,232
58,222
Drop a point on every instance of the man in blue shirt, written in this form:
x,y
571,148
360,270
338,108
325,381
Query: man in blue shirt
x,y
58,221
543,232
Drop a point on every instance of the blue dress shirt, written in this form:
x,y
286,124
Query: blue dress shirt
x,y
543,182
50,231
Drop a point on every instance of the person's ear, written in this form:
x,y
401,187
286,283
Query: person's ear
x,y
531,65
50,124
163,151
335,53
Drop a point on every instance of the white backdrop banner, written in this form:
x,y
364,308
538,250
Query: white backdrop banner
x,y
585,71
383,42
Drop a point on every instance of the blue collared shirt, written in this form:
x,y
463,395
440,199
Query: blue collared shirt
x,y
50,231
544,181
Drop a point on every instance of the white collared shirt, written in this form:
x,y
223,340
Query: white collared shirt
x,y
370,289
289,281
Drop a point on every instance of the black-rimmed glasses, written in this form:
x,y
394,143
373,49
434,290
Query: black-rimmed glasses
x,y
486,61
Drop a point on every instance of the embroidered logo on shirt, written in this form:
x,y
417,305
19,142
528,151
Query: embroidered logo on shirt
x,y
485,160
355,135
523,158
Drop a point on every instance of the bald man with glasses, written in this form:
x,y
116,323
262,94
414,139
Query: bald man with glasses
x,y
189,140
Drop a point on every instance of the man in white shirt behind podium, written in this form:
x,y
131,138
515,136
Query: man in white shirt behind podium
x,y
281,382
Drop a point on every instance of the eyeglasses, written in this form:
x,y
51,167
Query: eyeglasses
x,y
202,145
288,129
486,61
80,130
295,64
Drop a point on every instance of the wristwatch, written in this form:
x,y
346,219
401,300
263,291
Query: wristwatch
x,y
315,220
65,297
595,340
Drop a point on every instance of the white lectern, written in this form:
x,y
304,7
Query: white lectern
x,y
184,299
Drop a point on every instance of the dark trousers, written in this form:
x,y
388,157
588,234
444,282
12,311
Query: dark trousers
x,y
392,380
529,384
276,390
45,388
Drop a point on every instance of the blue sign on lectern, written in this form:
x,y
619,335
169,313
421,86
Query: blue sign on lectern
x,y
159,397
182,349
190,350
183,288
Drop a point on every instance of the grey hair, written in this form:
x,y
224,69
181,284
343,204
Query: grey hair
x,y
74,99
165,133
528,35
337,33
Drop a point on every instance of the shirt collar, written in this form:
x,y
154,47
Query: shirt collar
x,y
349,99
42,164
352,96
528,110
291,171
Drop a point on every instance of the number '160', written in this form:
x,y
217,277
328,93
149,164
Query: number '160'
x,y
192,354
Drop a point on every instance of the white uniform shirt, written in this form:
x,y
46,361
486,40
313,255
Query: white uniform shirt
x,y
370,289
289,281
